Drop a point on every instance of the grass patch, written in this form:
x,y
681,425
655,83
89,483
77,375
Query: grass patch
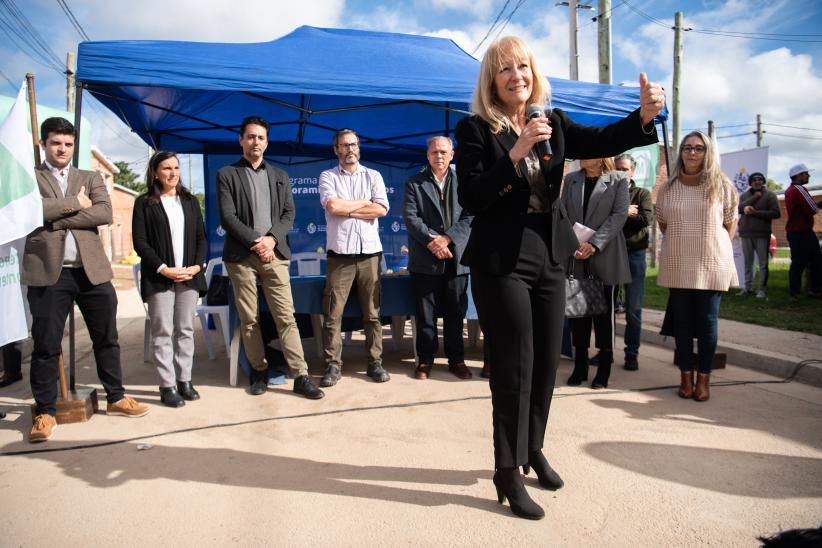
x,y
777,311
783,253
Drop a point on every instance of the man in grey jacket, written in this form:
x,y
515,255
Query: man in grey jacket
x,y
438,230
758,207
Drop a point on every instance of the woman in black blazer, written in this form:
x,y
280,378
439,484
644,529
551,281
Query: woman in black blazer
x,y
169,236
520,241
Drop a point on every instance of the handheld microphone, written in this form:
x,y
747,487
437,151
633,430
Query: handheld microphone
x,y
543,147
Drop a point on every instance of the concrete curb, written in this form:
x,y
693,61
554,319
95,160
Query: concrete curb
x,y
758,359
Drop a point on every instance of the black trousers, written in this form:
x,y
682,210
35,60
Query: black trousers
x,y
603,325
12,358
446,294
522,315
50,307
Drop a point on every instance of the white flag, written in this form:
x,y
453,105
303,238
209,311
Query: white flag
x,y
21,211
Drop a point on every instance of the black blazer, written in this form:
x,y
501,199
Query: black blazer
x,y
236,217
490,189
423,215
152,241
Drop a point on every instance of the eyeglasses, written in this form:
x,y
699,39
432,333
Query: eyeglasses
x,y
348,146
698,149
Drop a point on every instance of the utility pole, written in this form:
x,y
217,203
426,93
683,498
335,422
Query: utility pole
x,y
70,68
758,130
573,49
604,33
677,78
711,129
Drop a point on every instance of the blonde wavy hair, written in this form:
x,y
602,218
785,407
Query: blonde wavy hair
x,y
484,101
712,177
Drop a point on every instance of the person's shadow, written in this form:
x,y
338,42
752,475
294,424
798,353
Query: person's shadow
x,y
221,466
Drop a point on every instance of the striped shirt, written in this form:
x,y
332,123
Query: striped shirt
x,y
696,249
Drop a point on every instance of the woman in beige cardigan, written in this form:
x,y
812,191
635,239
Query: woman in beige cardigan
x,y
696,210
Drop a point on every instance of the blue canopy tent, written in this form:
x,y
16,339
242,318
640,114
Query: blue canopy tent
x,y
395,90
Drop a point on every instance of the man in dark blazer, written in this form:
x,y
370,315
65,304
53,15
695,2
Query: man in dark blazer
x,y
438,230
64,263
257,211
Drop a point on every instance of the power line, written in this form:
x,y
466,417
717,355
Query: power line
x,y
26,31
790,127
14,87
795,136
728,33
596,17
77,26
491,28
508,19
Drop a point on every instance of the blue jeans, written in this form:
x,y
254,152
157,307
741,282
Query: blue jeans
x,y
695,315
634,292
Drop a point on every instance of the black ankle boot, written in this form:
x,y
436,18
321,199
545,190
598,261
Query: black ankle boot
x,y
548,478
580,367
509,485
606,358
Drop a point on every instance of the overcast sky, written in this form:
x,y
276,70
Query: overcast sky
x,y
728,77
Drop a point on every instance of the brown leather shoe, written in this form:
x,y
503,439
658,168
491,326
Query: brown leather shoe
x,y
702,392
422,371
686,385
460,370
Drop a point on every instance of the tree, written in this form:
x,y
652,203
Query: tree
x,y
773,186
128,178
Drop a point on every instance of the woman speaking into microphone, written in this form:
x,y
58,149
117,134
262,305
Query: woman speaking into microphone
x,y
521,241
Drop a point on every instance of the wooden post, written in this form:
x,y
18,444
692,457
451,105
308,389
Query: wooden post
x,y
35,130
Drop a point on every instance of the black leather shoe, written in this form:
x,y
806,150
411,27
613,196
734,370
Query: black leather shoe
x,y
187,391
258,387
170,397
631,363
7,379
376,372
305,386
331,376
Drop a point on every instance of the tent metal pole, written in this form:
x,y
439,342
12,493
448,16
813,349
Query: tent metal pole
x,y
78,118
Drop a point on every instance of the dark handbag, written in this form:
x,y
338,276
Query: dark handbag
x,y
217,291
584,296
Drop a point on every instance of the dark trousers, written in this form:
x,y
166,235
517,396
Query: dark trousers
x,y
695,315
12,358
522,314
50,307
634,293
804,253
447,294
603,325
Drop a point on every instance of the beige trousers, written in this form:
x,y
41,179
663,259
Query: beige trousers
x,y
276,284
341,274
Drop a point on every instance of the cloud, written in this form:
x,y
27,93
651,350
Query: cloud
x,y
206,20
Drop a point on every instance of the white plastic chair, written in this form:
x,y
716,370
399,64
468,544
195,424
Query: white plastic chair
x,y
220,314
309,263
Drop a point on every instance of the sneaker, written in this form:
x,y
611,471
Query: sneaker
x,y
760,294
376,372
631,363
43,428
331,376
743,293
127,407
